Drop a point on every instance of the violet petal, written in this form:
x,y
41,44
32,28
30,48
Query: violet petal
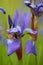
x,y
22,21
30,47
13,46
16,15
10,21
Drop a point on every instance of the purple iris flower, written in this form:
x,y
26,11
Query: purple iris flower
x,y
38,8
30,47
14,44
2,10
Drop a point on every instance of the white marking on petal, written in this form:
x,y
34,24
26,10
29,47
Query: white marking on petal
x,y
33,43
26,2
19,28
9,41
30,31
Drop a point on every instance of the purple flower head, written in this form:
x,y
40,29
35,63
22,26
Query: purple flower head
x,y
39,9
2,10
30,47
24,21
35,8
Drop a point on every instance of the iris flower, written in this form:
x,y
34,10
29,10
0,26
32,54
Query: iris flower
x,y
38,8
18,31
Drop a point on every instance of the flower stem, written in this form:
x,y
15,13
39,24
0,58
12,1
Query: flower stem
x,y
33,1
19,53
34,25
20,62
32,21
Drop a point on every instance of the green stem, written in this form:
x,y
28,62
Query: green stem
x,y
10,61
20,62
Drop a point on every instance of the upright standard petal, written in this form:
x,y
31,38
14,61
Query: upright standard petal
x,y
2,10
16,15
13,46
22,21
10,21
27,19
30,47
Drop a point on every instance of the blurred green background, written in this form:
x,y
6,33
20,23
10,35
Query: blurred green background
x,y
10,7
